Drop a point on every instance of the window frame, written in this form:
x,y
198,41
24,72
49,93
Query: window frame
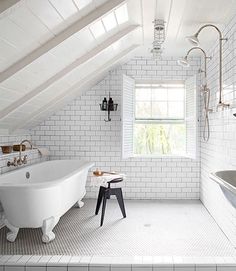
x,y
160,120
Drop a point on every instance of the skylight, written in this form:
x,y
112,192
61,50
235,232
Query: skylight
x,y
122,14
97,29
109,21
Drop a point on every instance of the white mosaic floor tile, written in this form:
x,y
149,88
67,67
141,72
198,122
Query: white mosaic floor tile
x,y
159,231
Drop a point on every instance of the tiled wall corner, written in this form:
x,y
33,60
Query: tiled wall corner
x,y
219,152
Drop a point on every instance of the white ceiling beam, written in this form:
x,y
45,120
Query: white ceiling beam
x,y
72,92
6,4
65,34
86,57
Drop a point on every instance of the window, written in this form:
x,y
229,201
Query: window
x,y
160,126
159,119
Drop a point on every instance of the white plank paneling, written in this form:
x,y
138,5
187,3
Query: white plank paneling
x,y
45,12
82,3
6,4
77,26
66,8
31,24
14,35
72,77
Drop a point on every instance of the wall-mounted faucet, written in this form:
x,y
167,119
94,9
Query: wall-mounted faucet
x,y
20,161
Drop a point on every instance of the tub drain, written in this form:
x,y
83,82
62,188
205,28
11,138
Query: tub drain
x,y
27,175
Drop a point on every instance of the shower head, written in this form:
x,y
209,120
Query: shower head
x,y
194,39
183,61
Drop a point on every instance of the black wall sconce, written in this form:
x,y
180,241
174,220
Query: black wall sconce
x,y
108,105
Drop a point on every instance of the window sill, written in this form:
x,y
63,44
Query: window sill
x,y
182,156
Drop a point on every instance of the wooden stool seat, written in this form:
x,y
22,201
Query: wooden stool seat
x,y
105,193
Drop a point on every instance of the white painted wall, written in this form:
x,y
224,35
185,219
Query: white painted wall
x,y
79,131
220,152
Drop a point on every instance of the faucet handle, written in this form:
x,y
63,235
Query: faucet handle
x,y
19,161
15,161
24,159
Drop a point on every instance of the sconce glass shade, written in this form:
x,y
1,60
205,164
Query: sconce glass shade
x,y
183,62
194,40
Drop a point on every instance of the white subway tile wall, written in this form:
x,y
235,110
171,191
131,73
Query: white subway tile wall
x,y
33,156
79,131
219,152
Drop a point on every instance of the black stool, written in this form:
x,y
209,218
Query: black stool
x,y
105,193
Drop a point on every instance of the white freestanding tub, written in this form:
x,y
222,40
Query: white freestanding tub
x,y
38,195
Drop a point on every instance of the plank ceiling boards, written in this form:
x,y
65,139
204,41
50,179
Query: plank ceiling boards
x,y
53,50
183,18
7,4
55,92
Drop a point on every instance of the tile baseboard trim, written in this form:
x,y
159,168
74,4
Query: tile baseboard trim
x,y
95,263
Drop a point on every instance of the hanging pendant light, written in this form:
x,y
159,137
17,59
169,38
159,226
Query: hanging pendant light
x,y
159,38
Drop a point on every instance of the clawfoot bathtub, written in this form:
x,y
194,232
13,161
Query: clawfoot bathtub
x,y
38,195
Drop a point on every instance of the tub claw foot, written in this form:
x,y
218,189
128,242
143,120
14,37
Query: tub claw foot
x,y
11,236
79,204
48,225
46,238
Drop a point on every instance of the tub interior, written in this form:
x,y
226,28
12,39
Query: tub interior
x,y
228,176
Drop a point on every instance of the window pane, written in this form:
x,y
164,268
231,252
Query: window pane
x,y
143,94
176,94
159,139
143,110
159,110
176,110
159,94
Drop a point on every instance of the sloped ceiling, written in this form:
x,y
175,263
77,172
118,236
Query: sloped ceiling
x,y
52,50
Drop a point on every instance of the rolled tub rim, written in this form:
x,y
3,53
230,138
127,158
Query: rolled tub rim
x,y
221,181
84,164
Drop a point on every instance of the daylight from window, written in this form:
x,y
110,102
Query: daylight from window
x,y
159,127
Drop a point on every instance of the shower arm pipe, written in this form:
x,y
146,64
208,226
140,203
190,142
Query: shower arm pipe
x,y
220,58
205,57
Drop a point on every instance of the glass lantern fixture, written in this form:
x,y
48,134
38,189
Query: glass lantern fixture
x,y
159,38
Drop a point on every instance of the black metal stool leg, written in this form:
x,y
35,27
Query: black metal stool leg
x,y
99,200
119,196
106,193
